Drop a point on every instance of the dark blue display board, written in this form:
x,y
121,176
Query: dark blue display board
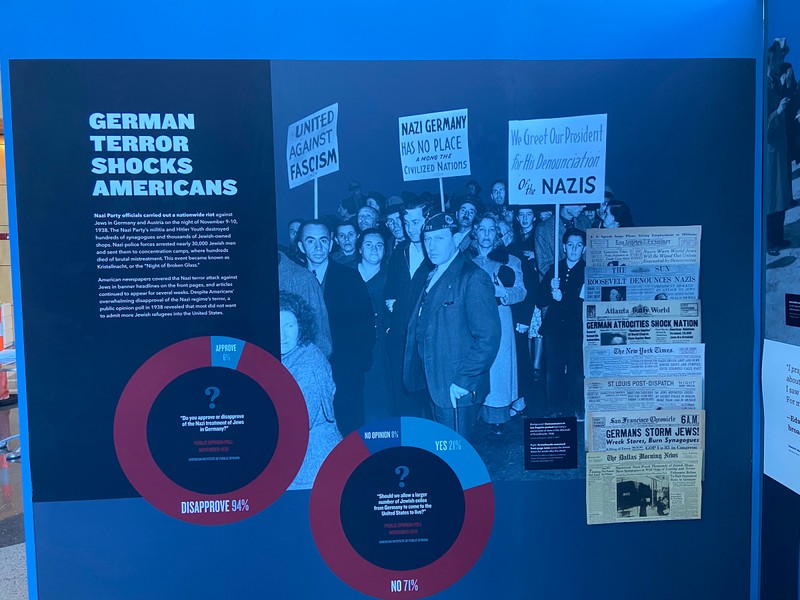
x,y
679,84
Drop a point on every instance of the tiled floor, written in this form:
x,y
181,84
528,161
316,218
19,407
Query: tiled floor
x,y
13,572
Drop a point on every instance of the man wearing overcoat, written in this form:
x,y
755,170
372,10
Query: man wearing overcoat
x,y
454,331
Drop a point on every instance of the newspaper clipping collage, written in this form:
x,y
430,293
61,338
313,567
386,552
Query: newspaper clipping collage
x,y
644,366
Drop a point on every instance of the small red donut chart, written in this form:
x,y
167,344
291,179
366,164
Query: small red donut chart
x,y
402,508
211,430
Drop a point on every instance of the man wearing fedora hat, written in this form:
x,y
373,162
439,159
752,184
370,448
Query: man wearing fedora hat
x,y
454,332
392,217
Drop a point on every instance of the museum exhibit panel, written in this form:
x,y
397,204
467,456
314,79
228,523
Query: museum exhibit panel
x,y
432,300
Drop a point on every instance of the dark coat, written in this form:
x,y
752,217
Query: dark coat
x,y
462,336
565,318
523,311
298,280
544,238
777,161
351,317
398,288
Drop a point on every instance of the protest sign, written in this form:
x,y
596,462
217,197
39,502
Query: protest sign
x,y
434,145
312,148
557,161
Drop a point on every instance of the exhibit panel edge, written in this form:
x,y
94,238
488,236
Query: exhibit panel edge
x,y
39,32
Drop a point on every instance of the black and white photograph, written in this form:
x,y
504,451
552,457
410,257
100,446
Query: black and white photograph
x,y
613,293
613,338
646,496
436,297
781,187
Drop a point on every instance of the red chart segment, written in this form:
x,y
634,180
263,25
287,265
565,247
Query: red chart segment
x,y
211,430
393,518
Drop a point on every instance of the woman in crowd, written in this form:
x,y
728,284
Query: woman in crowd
x,y
614,213
506,273
371,247
312,372
528,343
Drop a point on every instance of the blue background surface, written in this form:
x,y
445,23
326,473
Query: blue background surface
x,y
540,547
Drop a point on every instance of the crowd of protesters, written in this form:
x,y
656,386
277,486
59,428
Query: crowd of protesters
x,y
452,314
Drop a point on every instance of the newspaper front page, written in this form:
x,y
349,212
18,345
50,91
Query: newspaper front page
x,y
645,485
643,282
647,430
653,322
643,393
651,360
643,246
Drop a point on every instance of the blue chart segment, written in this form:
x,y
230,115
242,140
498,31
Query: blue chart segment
x,y
402,506
226,352
448,445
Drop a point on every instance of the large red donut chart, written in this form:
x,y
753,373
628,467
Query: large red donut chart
x,y
133,409
360,574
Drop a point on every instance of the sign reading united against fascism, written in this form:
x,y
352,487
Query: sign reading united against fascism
x,y
312,146
434,145
557,161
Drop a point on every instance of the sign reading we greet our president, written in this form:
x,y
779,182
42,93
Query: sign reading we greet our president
x,y
557,161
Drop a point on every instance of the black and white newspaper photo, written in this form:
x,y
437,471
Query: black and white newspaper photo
x,y
634,323
643,393
651,485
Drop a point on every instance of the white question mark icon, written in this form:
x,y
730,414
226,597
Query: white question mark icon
x,y
403,471
214,393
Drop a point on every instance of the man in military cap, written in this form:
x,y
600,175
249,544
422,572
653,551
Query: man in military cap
x,y
454,332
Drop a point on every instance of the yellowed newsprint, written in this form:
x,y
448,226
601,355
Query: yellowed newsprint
x,y
643,246
647,322
643,393
646,430
647,360
645,485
